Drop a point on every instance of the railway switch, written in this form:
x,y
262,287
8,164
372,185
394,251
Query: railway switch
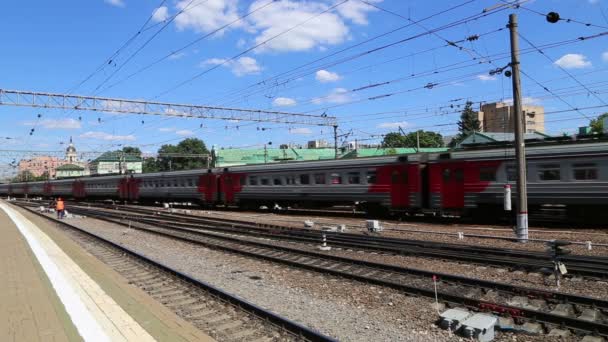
x,y
453,318
479,327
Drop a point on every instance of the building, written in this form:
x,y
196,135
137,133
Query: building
x,y
70,171
115,163
493,137
47,165
498,117
42,165
318,144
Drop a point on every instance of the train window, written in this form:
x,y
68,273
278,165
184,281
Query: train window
x,y
182,182
458,175
253,180
549,172
371,177
190,182
304,179
335,178
354,178
319,178
585,171
487,174
290,180
264,181
446,175
242,180
277,181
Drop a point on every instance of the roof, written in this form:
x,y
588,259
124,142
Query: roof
x,y
228,157
232,157
491,137
116,156
70,167
375,152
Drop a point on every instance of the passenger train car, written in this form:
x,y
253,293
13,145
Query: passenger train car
x,y
572,176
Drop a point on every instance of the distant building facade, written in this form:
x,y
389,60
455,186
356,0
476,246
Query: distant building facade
x,y
492,137
39,166
53,166
498,117
70,171
317,144
115,163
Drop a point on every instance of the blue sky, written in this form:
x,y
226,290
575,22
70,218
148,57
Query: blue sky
x,y
54,46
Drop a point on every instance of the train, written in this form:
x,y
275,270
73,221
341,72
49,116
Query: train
x,y
567,178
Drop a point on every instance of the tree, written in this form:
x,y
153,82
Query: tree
x,y
180,160
426,138
25,176
597,124
469,120
393,139
150,165
469,123
132,151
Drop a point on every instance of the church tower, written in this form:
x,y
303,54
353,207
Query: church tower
x,y
70,153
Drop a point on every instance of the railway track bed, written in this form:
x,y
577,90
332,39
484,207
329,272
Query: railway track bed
x,y
550,308
220,314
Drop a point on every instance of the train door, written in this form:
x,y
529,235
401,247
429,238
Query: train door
x,y
453,185
208,185
400,187
425,196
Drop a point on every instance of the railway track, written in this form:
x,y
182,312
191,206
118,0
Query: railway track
x,y
589,266
581,315
223,316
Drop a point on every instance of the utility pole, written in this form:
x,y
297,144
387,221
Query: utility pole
x,y
417,141
520,148
335,141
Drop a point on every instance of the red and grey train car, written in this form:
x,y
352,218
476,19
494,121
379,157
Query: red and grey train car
x,y
571,176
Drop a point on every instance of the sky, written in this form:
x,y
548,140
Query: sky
x,y
375,65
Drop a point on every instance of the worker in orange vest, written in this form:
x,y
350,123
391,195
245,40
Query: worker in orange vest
x,y
60,207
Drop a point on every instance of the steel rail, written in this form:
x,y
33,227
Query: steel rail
x,y
288,325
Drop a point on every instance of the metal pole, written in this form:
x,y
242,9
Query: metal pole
x,y
520,148
417,141
265,154
336,142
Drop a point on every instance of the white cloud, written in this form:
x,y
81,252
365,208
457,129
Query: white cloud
x,y
283,102
356,11
394,125
106,136
605,56
485,78
206,16
166,129
526,100
325,76
240,67
326,29
178,55
337,95
573,61
593,2
117,3
56,123
160,14
301,130
184,132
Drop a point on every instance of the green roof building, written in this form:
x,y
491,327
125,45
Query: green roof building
x,y
69,171
115,163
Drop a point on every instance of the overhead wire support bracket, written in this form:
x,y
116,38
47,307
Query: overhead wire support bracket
x,y
126,106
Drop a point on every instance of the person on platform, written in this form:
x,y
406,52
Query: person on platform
x,y
60,207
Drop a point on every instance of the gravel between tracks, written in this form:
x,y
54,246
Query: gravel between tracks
x,y
350,311
404,230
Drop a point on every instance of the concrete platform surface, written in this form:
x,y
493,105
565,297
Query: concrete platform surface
x,y
53,290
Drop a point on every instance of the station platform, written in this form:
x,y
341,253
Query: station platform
x,y
53,290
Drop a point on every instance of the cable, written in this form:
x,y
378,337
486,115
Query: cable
x,y
560,67
247,50
188,45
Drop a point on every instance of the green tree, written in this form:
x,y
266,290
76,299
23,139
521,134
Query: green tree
x,y
427,139
176,157
393,139
469,123
25,176
597,124
150,165
133,151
